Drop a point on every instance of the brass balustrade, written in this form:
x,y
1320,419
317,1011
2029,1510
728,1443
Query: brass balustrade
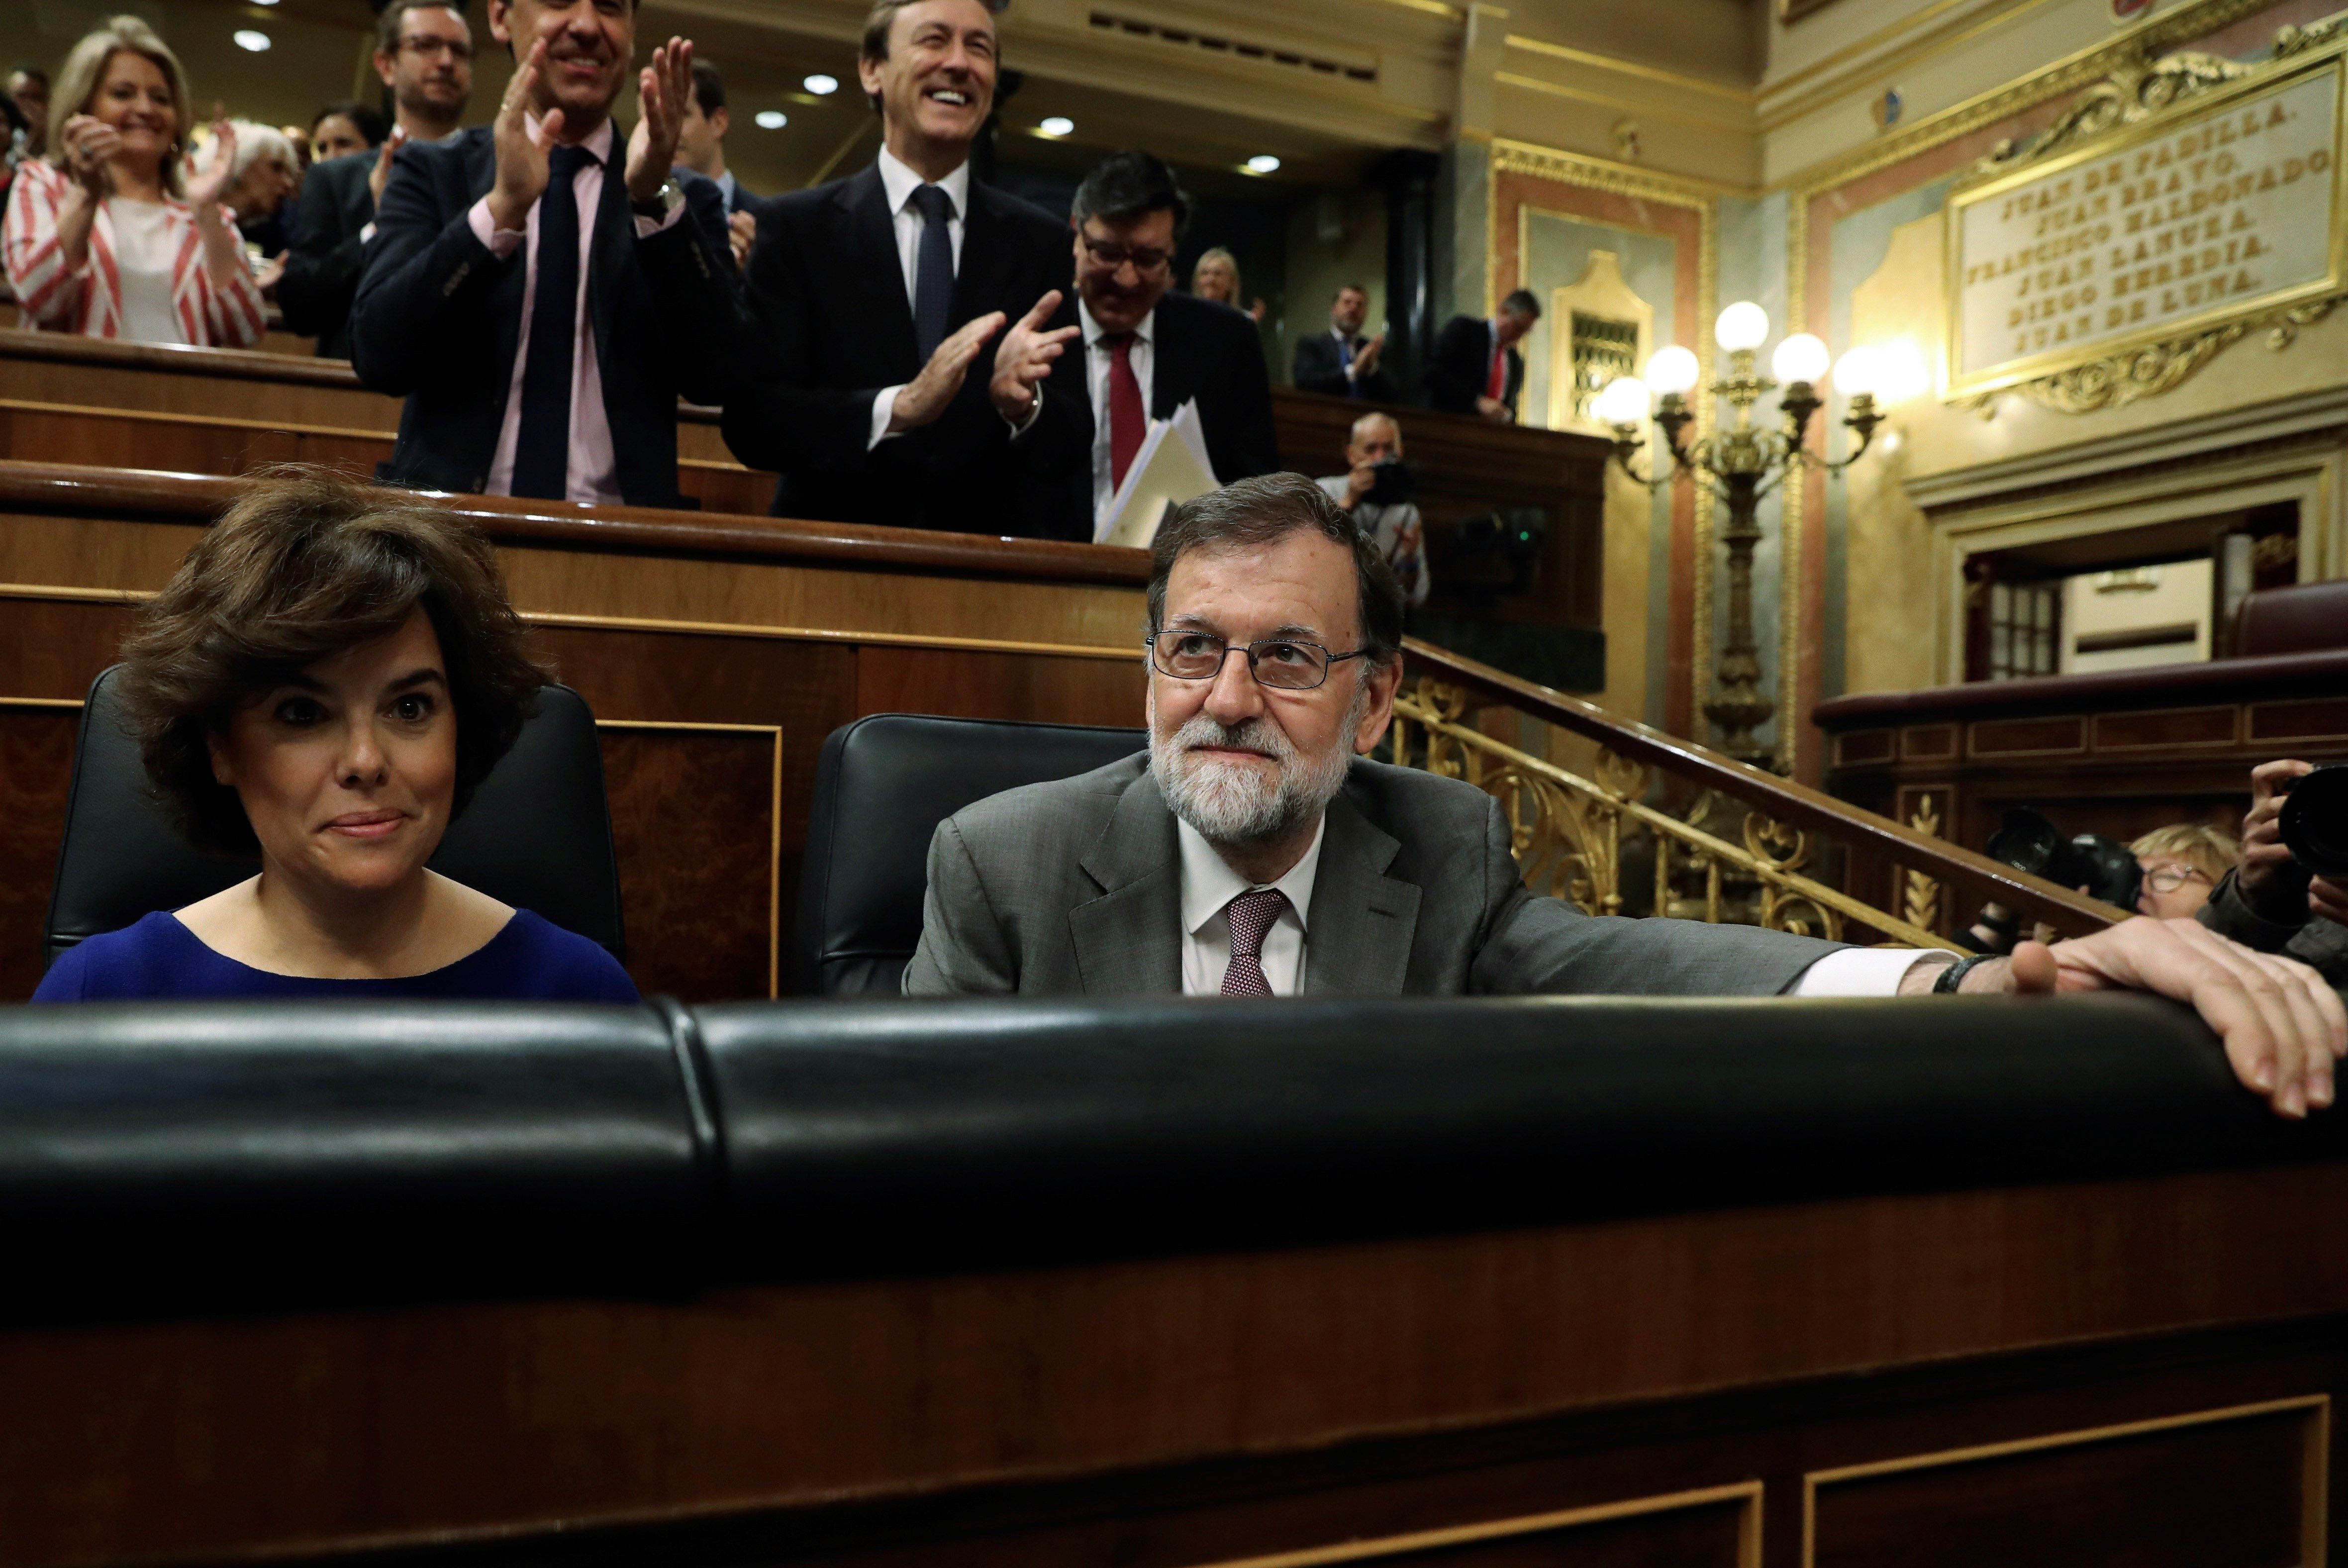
x,y
1570,831
1567,831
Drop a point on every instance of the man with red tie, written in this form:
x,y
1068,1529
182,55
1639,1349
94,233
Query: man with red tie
x,y
1476,369
1148,351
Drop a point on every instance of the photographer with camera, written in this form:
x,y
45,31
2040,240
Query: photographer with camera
x,y
2168,873
1377,489
2290,893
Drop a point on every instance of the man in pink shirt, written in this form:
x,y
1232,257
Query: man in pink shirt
x,y
541,292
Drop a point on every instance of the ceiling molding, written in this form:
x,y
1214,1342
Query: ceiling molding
x,y
1743,96
1645,109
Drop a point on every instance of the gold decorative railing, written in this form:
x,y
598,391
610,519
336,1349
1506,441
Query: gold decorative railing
x,y
1739,845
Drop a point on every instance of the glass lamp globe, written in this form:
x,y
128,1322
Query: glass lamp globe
x,y
1673,370
1743,326
1858,372
1623,401
1801,357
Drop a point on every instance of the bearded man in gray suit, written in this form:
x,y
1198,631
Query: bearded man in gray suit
x,y
1254,850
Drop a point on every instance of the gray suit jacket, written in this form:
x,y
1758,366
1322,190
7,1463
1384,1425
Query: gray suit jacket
x,y
1074,887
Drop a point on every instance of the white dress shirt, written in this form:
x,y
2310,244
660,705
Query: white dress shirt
x,y
592,471
1097,356
899,183
1209,885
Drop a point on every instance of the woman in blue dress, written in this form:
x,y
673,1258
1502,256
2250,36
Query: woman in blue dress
x,y
328,678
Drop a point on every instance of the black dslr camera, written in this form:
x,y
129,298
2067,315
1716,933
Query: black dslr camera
x,y
2106,868
2314,821
1395,482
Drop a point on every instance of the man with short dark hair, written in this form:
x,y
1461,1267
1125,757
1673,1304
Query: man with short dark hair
x,y
542,294
902,314
1476,369
1341,361
424,56
1253,850
1146,350
701,140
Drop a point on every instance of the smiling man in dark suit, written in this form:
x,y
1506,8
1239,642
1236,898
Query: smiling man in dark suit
x,y
423,53
540,292
1148,351
901,315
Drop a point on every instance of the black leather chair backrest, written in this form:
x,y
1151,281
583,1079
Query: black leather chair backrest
x,y
538,833
882,785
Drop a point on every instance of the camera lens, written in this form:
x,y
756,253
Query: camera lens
x,y
2314,822
2025,840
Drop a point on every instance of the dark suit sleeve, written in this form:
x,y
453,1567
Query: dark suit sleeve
x,y
1451,379
1251,439
322,263
1318,368
425,277
691,270
1545,946
776,418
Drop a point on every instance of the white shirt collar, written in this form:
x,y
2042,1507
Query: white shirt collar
x,y
900,181
600,143
1095,331
1208,882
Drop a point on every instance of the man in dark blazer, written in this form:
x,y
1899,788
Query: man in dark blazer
x,y
1476,369
542,298
1146,350
1342,362
424,54
1254,850
901,315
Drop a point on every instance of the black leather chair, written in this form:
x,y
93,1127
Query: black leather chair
x,y
538,833
882,785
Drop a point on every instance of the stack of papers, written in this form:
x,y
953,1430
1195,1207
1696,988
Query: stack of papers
x,y
1170,468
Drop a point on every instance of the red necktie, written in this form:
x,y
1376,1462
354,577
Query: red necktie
x,y
1496,384
1126,419
1250,916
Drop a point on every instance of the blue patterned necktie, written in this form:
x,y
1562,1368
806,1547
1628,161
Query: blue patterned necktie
x,y
933,269
1251,916
542,441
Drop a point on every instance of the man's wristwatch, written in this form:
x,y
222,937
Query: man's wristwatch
x,y
660,203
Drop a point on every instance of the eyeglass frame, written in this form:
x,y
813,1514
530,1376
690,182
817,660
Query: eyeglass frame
x,y
1096,250
1329,660
429,48
2181,875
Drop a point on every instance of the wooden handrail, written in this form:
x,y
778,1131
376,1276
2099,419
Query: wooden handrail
x,y
1796,805
77,489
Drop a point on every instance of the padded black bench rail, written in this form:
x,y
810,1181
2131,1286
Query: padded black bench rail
x,y
286,1151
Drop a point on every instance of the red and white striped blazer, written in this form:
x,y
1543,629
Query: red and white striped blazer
x,y
89,301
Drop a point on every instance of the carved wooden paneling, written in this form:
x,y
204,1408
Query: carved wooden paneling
x,y
2028,737
2244,1486
2164,729
1864,745
36,746
969,683
694,824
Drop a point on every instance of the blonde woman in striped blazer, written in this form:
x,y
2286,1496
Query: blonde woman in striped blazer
x,y
106,236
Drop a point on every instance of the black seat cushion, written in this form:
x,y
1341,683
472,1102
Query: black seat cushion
x,y
538,833
882,785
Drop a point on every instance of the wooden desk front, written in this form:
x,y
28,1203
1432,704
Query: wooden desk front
x,y
2135,1372
718,652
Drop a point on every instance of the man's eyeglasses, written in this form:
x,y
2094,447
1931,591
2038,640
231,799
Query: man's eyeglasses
x,y
2169,879
1277,662
427,47
1146,261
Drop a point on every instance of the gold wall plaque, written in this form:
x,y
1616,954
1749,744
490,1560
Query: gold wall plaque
x,y
2212,203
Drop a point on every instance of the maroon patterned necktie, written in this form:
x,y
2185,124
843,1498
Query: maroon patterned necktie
x,y
1252,915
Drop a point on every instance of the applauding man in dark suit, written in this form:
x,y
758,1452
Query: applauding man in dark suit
x,y
423,53
1341,361
1146,350
543,296
902,313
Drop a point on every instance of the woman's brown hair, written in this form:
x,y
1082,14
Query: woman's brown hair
x,y
307,564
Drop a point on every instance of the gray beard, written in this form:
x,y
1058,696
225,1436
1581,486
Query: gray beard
x,y
1232,804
